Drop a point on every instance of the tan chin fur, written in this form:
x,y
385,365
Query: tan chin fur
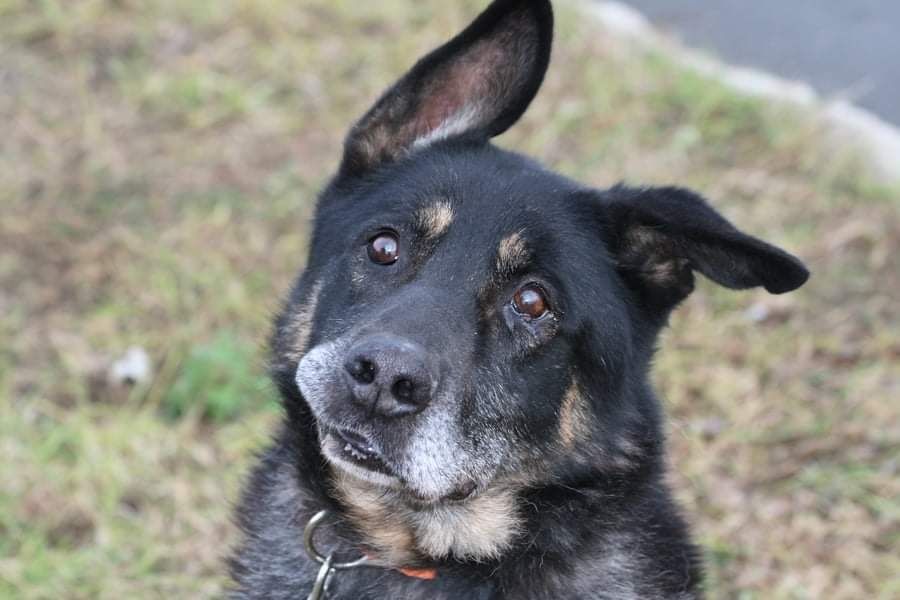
x,y
382,526
301,323
479,529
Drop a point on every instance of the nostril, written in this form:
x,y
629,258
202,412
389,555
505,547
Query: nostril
x,y
403,390
388,376
362,369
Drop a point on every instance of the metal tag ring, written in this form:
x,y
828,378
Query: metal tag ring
x,y
308,533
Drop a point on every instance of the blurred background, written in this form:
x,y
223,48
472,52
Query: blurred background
x,y
843,49
159,161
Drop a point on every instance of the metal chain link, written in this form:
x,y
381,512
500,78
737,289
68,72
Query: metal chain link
x,y
326,571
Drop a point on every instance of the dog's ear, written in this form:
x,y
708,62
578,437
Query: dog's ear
x,y
476,85
660,236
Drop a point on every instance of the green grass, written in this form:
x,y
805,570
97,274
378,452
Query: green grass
x,y
157,171
218,381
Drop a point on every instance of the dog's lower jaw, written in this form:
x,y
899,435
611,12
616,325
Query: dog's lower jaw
x,y
477,529
332,453
365,475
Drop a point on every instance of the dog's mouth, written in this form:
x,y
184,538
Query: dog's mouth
x,y
353,452
359,450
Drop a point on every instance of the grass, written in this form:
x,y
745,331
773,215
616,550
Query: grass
x,y
157,170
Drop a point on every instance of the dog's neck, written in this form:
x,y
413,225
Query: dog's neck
x,y
401,534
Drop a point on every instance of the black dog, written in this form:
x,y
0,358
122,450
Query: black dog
x,y
464,362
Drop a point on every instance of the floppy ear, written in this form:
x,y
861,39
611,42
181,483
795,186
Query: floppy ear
x,y
476,85
660,236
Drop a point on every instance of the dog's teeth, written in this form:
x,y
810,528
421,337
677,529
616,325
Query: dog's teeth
x,y
357,452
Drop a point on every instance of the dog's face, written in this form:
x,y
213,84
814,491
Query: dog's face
x,y
448,323
468,319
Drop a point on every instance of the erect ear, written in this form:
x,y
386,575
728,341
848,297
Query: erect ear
x,y
659,236
476,85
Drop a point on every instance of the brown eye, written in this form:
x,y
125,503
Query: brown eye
x,y
384,249
530,301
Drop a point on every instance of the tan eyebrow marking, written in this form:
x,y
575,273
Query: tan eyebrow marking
x,y
434,220
573,417
512,254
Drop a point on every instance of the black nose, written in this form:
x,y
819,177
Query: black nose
x,y
389,375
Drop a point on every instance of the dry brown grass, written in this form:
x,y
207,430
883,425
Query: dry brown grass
x,y
157,167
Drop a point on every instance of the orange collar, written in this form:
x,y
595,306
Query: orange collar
x,y
415,572
418,573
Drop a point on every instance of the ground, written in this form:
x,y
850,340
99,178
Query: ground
x,y
843,49
158,165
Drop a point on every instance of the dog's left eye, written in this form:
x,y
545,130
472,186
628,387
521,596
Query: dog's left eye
x,y
530,301
384,248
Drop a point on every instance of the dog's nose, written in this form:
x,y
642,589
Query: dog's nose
x,y
389,375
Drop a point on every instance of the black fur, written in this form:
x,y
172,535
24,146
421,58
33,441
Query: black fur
x,y
536,468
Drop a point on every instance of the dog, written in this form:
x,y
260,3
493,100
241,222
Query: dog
x,y
464,360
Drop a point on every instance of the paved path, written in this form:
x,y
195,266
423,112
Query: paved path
x,y
849,48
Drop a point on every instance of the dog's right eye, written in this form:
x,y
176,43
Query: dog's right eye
x,y
530,301
384,248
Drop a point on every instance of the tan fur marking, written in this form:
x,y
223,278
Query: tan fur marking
x,y
301,323
435,219
512,253
479,529
382,526
573,417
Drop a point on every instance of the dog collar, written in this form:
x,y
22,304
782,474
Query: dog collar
x,y
329,567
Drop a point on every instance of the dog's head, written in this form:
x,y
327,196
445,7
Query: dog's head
x,y
467,317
